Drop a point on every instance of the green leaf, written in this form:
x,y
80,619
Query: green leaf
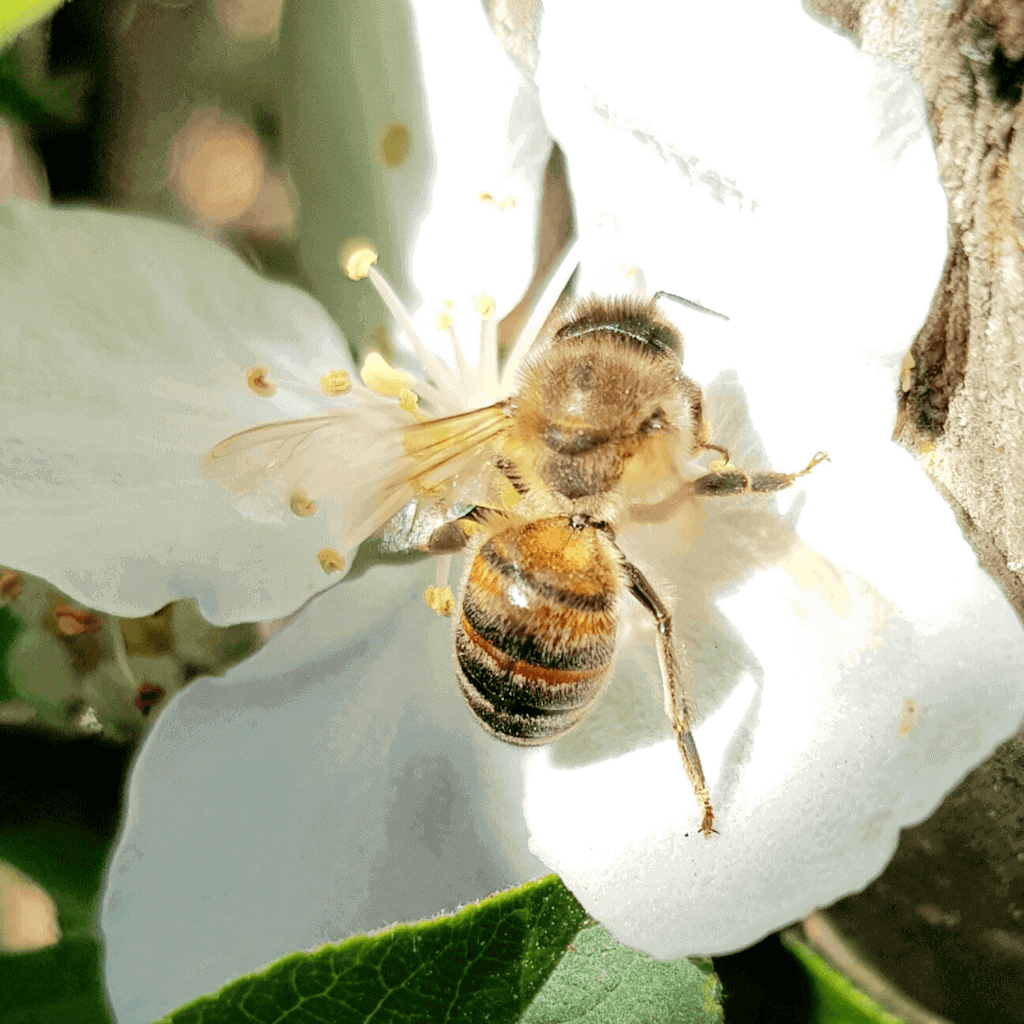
x,y
839,1001
54,985
601,982
486,962
16,15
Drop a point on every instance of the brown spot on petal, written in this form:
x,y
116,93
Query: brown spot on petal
x,y
75,621
11,585
148,696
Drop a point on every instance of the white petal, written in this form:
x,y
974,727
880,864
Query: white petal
x,y
334,783
488,135
126,345
766,188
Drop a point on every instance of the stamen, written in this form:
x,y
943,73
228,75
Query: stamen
x,y
485,197
258,383
383,379
75,621
558,278
484,305
443,570
330,560
301,504
434,366
488,369
508,203
356,257
446,323
335,382
376,337
440,600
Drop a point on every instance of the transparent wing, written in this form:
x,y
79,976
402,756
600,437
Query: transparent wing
x,y
361,464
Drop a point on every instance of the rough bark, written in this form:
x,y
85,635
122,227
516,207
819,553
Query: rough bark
x,y
962,389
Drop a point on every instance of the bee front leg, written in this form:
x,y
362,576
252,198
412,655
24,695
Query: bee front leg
x,y
731,481
679,704
720,483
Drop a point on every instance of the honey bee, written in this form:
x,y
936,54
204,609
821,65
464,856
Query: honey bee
x,y
599,432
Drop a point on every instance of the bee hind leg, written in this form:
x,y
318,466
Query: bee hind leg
x,y
679,704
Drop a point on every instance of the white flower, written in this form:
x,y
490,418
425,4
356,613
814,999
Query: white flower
x,y
336,782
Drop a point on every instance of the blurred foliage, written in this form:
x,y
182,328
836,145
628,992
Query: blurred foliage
x,y
18,15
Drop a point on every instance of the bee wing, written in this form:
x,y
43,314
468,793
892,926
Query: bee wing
x,y
362,462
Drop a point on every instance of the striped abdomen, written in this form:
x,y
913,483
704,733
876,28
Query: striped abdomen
x,y
535,636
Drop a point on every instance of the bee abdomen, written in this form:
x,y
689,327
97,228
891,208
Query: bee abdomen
x,y
534,646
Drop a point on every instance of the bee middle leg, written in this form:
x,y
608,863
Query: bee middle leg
x,y
679,704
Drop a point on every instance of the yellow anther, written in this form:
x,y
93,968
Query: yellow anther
x,y
719,466
330,560
440,600
444,319
356,257
258,383
383,379
485,197
394,143
484,305
301,504
508,203
408,400
335,382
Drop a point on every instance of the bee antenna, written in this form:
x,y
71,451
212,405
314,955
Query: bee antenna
x,y
689,302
